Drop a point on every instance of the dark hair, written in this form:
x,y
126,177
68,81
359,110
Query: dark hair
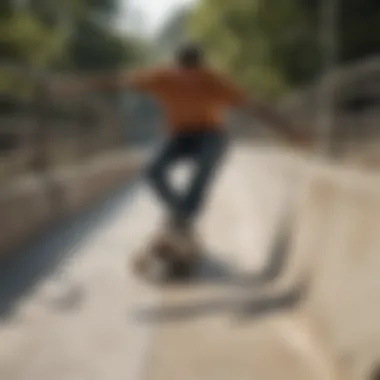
x,y
190,55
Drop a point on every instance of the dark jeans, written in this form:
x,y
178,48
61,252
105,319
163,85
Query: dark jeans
x,y
205,150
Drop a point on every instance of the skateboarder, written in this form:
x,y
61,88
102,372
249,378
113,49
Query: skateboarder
x,y
194,98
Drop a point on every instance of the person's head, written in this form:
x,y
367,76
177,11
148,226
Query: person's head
x,y
190,56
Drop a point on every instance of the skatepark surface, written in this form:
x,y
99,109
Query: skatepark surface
x,y
288,288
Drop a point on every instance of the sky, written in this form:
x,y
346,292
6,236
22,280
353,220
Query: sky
x,y
154,12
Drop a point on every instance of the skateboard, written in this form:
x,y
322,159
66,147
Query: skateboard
x,y
168,256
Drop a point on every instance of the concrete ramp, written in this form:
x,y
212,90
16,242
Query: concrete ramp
x,y
332,331
290,289
221,327
344,290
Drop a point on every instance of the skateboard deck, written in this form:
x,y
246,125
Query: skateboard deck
x,y
168,256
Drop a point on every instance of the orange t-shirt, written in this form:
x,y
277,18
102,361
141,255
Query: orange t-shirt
x,y
191,99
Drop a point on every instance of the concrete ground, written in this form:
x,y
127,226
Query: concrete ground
x,y
75,312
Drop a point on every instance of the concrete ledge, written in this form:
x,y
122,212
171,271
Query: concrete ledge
x,y
28,206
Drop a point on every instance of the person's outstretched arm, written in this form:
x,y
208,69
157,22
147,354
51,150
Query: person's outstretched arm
x,y
149,80
235,97
277,122
144,80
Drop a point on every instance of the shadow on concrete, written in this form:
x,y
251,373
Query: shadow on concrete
x,y
243,309
70,298
253,308
277,262
213,270
247,306
48,253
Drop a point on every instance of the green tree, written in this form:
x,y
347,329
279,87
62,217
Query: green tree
x,y
243,38
272,46
64,34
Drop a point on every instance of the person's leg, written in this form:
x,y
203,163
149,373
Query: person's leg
x,y
158,174
207,155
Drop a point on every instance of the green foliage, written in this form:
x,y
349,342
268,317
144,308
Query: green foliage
x,y
273,45
63,34
44,32
24,39
360,29
91,47
266,45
